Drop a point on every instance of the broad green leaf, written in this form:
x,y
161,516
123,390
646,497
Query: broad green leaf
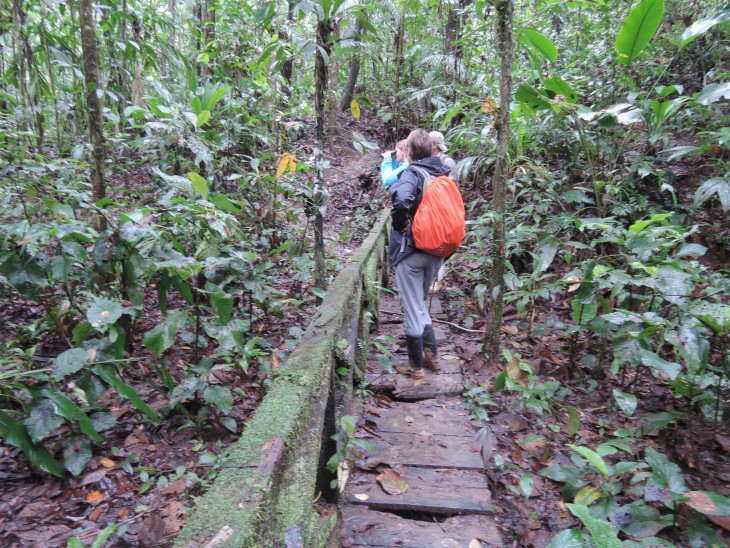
x,y
355,109
539,42
559,87
547,247
645,520
625,401
200,185
592,457
216,96
637,29
573,420
220,396
186,390
42,420
107,375
531,98
713,93
223,304
715,316
15,433
202,118
601,531
229,423
72,412
709,503
587,495
651,359
665,474
717,186
102,420
698,28
162,337
570,538
638,226
77,455
103,312
69,362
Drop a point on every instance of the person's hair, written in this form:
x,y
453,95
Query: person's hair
x,y
420,145
402,144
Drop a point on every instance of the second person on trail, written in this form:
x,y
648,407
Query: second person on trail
x,y
415,270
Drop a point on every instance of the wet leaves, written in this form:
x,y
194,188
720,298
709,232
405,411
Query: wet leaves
x,y
392,482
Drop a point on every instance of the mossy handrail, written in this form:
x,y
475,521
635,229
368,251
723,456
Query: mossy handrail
x,y
264,492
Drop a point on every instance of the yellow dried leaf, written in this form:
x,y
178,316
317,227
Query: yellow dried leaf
x,y
94,496
107,463
361,496
284,162
355,109
488,106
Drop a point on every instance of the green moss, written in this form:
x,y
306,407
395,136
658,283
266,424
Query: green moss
x,y
257,495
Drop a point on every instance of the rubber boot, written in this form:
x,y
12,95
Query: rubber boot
x,y
415,356
430,349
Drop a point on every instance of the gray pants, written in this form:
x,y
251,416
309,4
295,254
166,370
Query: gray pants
x,y
414,276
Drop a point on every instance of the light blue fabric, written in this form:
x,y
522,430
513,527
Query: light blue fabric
x,y
390,169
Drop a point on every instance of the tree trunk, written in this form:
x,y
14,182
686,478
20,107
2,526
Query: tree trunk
x,y
319,197
505,47
23,55
93,101
210,7
334,80
348,94
287,68
398,46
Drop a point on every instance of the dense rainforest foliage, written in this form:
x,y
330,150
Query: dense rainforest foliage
x,y
164,229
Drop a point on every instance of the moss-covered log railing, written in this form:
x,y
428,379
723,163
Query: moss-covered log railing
x,y
264,492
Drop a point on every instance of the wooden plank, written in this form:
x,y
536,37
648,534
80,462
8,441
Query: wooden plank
x,y
444,416
434,490
432,386
364,527
425,449
449,364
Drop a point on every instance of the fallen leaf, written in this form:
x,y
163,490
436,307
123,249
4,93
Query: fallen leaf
x,y
392,482
94,497
724,442
151,531
107,463
98,511
449,357
361,496
474,543
409,419
93,477
177,487
510,330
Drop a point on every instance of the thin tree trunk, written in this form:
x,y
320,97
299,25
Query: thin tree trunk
x,y
52,82
287,68
319,198
398,46
505,47
21,57
348,94
334,80
210,7
93,101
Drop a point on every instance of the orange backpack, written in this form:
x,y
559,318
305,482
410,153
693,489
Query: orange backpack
x,y
439,223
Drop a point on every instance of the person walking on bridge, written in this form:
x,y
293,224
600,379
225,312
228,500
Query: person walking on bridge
x,y
415,270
